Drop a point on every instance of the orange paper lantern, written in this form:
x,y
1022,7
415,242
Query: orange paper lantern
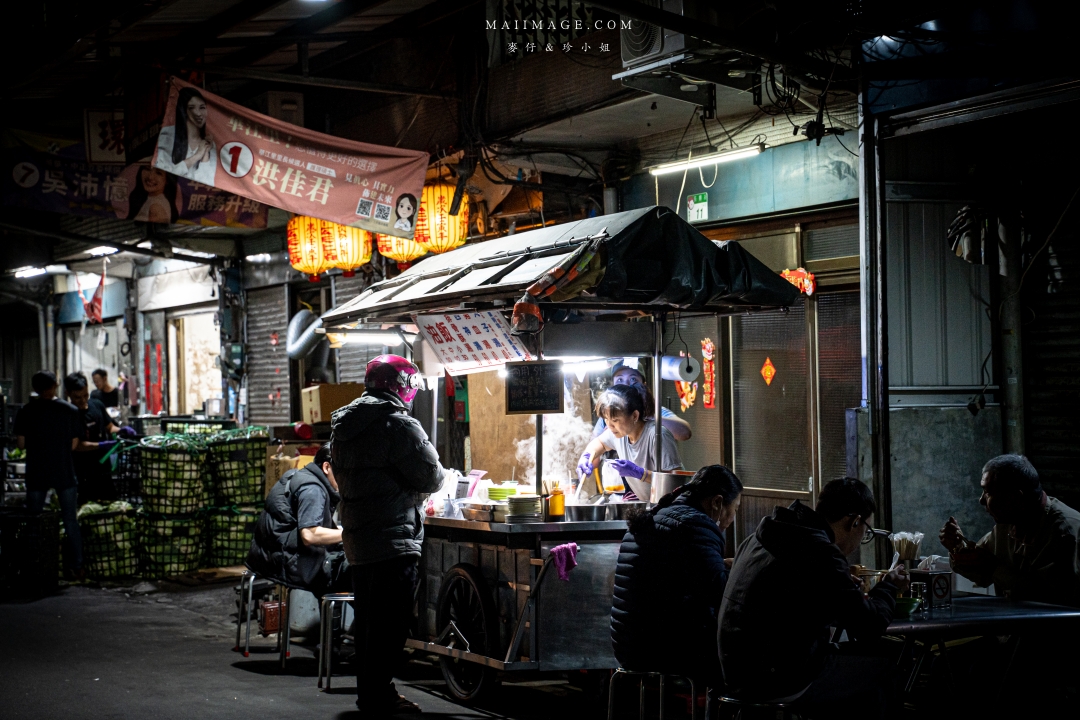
x,y
347,247
401,250
436,229
307,251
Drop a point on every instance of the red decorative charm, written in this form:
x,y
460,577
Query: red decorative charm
x,y
801,279
708,373
768,371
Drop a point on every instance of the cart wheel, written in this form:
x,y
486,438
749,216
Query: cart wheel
x,y
464,599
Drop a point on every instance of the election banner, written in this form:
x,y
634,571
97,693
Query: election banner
x,y
65,183
212,141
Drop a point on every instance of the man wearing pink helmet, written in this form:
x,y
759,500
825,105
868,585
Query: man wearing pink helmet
x,y
385,467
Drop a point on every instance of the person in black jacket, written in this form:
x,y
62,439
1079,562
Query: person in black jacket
x,y
296,540
386,468
670,578
790,583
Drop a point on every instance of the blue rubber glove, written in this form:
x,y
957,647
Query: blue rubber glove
x,y
106,444
127,432
626,468
584,464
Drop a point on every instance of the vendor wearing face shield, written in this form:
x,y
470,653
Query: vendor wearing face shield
x,y
631,437
632,377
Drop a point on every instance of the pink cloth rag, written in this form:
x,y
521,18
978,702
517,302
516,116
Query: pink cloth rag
x,y
565,559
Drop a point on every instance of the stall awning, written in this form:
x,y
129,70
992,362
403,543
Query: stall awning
x,y
651,260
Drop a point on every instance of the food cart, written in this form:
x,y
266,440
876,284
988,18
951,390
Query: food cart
x,y
488,601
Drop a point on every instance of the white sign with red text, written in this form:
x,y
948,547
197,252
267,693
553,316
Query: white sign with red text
x,y
471,342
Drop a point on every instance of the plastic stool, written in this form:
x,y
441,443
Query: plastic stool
x,y
243,615
326,632
641,691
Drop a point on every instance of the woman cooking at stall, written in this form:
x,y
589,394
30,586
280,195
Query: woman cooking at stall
x,y
622,374
631,437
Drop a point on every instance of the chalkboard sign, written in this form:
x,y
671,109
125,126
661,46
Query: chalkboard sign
x,y
534,388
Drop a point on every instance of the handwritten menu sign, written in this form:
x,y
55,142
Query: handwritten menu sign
x,y
471,341
534,388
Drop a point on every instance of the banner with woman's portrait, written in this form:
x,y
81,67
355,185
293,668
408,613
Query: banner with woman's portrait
x,y
209,140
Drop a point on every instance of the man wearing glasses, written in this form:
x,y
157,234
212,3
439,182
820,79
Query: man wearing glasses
x,y
789,585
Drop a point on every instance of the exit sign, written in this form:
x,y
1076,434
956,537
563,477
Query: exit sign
x,y
697,207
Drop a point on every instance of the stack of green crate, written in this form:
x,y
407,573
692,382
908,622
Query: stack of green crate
x,y
175,497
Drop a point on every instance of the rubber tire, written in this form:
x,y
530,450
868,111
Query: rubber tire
x,y
468,681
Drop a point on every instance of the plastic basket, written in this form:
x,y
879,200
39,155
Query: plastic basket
x,y
173,481
170,544
237,470
29,552
127,475
184,427
110,544
230,531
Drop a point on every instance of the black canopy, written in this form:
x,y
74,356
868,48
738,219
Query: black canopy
x,y
651,258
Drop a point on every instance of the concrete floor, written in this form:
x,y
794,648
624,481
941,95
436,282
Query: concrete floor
x,y
101,653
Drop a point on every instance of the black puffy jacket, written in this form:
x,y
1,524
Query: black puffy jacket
x,y
789,584
385,468
277,552
668,587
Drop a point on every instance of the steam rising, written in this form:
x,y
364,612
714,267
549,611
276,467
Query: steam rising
x,y
565,438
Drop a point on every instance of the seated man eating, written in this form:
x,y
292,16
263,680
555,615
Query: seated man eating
x,y
297,543
1031,552
789,585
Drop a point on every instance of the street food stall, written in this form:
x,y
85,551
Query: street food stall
x,y
599,287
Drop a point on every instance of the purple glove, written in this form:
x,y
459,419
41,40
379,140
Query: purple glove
x,y
584,465
106,444
127,432
626,468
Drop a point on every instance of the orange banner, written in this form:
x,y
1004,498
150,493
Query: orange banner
x,y
210,140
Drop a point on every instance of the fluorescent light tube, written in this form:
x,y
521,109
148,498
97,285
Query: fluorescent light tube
x,y
29,272
102,250
710,159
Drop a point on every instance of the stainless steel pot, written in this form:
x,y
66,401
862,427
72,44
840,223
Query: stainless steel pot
x,y
623,509
590,513
663,483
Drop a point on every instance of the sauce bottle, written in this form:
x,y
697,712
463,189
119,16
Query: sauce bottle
x,y
557,503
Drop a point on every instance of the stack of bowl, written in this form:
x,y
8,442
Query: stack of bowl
x,y
501,492
524,509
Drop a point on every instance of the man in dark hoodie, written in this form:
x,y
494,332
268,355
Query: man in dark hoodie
x,y
790,583
296,541
386,468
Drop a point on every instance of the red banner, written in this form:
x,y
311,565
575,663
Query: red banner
x,y
212,141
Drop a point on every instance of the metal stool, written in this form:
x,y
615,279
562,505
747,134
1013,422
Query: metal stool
x,y
782,704
326,631
243,614
641,691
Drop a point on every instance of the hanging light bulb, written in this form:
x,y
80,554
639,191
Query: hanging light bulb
x,y
436,229
307,251
401,250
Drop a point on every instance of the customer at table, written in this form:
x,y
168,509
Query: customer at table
x,y
789,585
49,430
631,437
296,540
386,468
622,374
671,565
1031,552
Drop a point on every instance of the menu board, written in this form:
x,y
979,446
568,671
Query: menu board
x,y
534,388
471,341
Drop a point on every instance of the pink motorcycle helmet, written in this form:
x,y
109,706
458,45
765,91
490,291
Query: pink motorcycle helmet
x,y
396,374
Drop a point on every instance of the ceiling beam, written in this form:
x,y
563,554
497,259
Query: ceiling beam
x,y
219,24
308,26
95,242
337,84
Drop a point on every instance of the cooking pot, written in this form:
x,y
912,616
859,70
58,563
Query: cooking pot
x,y
663,483
623,509
590,513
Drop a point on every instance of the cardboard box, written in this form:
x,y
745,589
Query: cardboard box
x,y
280,459
318,402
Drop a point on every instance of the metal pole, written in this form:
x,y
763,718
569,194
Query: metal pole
x,y
882,441
539,454
658,352
1011,354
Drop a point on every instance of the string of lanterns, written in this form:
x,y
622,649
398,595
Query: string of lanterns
x,y
316,245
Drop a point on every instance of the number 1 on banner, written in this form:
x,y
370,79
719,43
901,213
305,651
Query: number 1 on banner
x,y
236,159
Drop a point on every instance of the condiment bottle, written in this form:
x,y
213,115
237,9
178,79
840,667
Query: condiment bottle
x,y
557,502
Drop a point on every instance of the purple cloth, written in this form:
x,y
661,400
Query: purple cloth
x,y
564,557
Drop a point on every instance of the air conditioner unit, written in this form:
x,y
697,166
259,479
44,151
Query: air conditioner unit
x,y
643,42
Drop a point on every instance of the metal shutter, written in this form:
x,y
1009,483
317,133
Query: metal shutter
x,y
353,358
831,242
839,377
267,362
705,447
771,437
